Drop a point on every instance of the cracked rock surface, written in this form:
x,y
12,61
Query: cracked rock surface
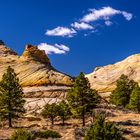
x,y
104,78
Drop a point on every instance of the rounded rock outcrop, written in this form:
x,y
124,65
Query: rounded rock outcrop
x,y
104,79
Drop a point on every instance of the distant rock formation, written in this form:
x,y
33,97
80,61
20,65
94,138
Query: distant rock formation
x,y
32,53
33,68
104,78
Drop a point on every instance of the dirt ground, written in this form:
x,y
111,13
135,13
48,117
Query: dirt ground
x,y
127,121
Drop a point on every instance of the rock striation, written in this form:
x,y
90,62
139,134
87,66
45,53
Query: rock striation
x,y
104,78
41,82
33,68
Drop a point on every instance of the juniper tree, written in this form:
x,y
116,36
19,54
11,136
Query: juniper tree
x,y
11,97
81,97
63,111
50,111
121,95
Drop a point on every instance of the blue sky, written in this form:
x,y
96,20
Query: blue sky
x,y
78,35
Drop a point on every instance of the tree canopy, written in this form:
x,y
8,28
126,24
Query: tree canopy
x,y
134,102
82,98
11,97
50,111
121,95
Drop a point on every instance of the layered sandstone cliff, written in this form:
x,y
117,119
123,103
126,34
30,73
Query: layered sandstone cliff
x,y
104,78
33,68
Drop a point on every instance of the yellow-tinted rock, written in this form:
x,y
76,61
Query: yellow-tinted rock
x,y
104,78
33,68
32,53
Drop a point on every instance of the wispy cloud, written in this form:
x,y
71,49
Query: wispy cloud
x,y
82,26
61,31
54,49
108,23
128,16
89,22
104,13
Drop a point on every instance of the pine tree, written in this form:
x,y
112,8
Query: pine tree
x,y
63,111
134,102
81,97
11,97
50,111
121,95
102,130
1,42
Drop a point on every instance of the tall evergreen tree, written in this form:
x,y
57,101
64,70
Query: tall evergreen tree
x,y
81,97
121,95
134,102
11,97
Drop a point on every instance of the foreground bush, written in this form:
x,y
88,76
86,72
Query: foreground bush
x,y
47,134
21,134
102,130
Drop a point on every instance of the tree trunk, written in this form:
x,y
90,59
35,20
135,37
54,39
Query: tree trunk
x,y
52,120
9,114
83,117
83,112
63,120
10,120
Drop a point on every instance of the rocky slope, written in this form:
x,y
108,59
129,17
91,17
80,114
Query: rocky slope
x,y
41,82
104,78
33,68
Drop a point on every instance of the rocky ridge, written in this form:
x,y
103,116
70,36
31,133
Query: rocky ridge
x,y
33,68
41,82
104,78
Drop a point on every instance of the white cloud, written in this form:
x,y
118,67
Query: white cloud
x,y
128,16
94,15
61,31
104,13
62,47
53,49
108,23
82,26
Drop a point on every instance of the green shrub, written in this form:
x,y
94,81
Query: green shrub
x,y
47,134
21,134
102,130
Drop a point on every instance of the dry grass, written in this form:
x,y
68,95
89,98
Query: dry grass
x,y
127,121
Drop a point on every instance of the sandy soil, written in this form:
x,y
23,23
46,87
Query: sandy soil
x,y
127,121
